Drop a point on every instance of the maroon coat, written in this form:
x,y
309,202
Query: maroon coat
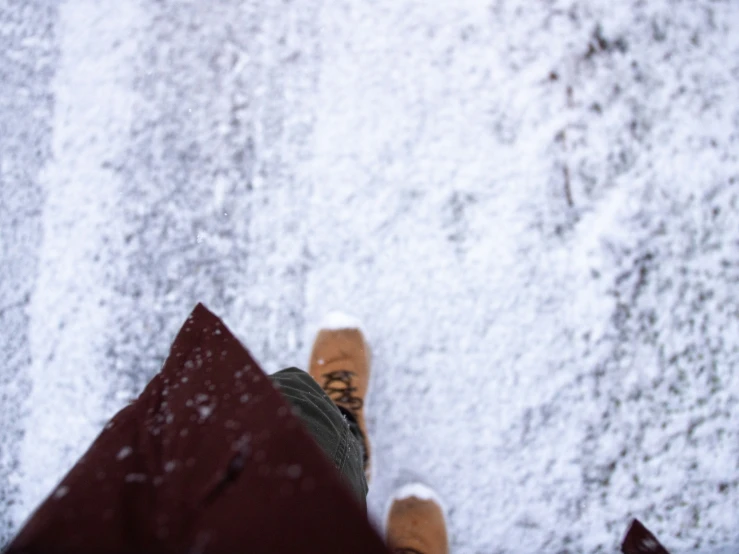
x,y
639,540
208,459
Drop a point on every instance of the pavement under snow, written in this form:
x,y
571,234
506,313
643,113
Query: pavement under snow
x,y
531,206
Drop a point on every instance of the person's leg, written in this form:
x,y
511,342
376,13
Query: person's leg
x,y
334,431
330,400
330,397
357,432
340,364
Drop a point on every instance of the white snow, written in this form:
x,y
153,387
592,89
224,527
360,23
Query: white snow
x,y
531,206
339,320
61,492
124,453
416,490
205,412
67,405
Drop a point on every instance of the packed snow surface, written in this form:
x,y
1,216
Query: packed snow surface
x,y
532,206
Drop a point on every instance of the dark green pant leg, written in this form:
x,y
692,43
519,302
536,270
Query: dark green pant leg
x,y
336,434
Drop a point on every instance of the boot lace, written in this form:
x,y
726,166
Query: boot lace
x,y
338,386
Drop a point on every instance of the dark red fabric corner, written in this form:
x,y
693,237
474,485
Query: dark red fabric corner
x,y
208,459
640,541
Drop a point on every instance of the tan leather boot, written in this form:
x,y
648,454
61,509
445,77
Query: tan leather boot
x,y
340,364
415,522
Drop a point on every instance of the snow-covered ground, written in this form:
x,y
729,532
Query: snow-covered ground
x,y
532,206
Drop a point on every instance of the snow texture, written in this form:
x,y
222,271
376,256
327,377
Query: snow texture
x,y
338,320
415,490
532,206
